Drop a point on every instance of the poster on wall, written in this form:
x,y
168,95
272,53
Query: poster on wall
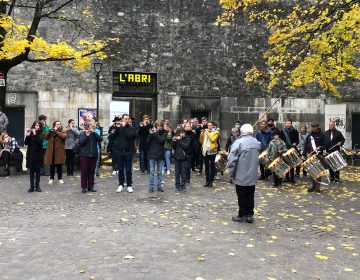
x,y
337,114
118,108
85,115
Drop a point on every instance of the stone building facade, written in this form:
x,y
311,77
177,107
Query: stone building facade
x,y
200,68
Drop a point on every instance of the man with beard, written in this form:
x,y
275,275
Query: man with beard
x,y
315,142
334,140
291,138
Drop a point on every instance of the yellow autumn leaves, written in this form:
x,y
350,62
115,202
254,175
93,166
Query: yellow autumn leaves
x,y
17,42
311,43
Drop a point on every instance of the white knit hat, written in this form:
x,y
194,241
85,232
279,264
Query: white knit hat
x,y
246,129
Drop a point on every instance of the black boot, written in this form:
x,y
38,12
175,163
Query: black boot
x,y
37,188
311,189
7,170
206,184
31,189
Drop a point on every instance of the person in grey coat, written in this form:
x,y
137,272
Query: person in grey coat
x,y
72,137
242,164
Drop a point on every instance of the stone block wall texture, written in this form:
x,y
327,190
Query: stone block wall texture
x,y
193,57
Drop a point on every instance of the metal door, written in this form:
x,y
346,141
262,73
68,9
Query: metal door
x,y
16,125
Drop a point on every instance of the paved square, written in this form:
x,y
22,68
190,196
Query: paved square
x,y
64,234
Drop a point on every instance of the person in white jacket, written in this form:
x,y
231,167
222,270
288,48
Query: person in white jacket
x,y
243,162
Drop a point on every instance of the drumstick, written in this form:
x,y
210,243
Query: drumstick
x,y
266,111
333,146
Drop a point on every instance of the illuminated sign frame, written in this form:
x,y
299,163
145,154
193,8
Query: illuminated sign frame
x,y
134,84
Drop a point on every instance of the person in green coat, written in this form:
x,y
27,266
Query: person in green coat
x,y
45,131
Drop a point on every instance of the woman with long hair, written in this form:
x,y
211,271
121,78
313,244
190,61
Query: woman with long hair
x,y
72,136
34,154
55,153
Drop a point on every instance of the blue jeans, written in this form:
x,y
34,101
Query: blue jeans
x,y
124,161
167,159
160,166
144,160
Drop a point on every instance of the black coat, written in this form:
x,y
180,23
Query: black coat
x,y
34,153
319,140
337,137
156,143
180,146
143,133
123,138
293,135
89,145
191,149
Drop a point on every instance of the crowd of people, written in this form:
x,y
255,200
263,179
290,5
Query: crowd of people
x,y
192,143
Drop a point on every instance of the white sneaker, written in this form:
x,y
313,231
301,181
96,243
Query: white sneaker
x,y
51,181
120,188
130,189
61,181
114,172
168,172
217,178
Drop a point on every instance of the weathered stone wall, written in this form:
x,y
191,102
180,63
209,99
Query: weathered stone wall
x,y
197,62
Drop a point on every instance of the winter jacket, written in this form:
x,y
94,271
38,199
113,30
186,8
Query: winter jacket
x,y
302,139
123,138
229,143
213,137
243,161
45,131
292,136
168,140
156,143
319,139
34,152
55,147
180,146
264,137
72,136
337,137
191,149
89,145
276,148
143,133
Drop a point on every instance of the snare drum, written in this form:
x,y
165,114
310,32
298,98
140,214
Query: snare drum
x,y
314,167
279,167
335,161
263,158
292,158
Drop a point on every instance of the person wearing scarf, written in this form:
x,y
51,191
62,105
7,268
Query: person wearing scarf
x,y
209,141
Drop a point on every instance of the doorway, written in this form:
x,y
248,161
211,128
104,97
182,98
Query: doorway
x,y
143,106
200,114
16,125
355,134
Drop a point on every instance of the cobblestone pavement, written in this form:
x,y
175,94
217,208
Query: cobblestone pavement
x,y
64,234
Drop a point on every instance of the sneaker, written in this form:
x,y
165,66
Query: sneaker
x,y
120,188
51,181
217,178
184,189
261,178
250,219
177,189
168,172
130,189
160,189
92,190
199,173
151,190
239,219
61,181
114,172
84,190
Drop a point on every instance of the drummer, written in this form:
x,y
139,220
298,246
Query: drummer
x,y
291,138
315,142
276,148
264,137
334,139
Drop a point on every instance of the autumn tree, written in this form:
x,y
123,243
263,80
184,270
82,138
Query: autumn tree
x,y
311,41
21,41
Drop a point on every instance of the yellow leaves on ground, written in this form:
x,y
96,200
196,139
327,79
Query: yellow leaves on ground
x,y
321,257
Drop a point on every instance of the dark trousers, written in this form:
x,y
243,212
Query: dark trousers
x,y
114,160
70,161
43,168
124,161
188,169
58,169
264,171
298,171
290,176
245,196
334,175
210,169
5,155
34,177
144,160
277,180
180,172
200,162
87,171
